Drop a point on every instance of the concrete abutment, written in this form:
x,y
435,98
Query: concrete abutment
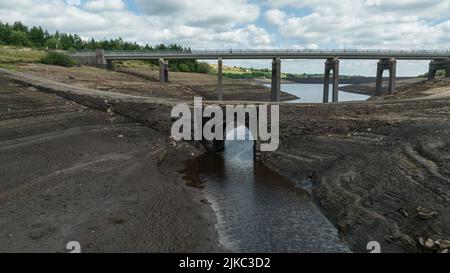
x,y
437,65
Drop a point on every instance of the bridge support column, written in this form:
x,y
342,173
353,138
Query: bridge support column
x,y
163,71
100,58
436,65
219,80
331,65
391,66
276,79
109,65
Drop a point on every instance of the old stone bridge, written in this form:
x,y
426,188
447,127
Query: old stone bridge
x,y
440,60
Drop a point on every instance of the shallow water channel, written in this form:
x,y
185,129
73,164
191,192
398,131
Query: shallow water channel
x,y
257,209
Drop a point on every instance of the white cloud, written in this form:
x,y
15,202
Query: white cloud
x,y
203,13
110,19
275,16
101,5
364,23
73,2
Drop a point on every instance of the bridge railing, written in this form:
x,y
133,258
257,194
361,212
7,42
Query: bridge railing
x,y
277,51
270,52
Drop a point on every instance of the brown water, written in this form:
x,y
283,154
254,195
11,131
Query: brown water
x,y
257,209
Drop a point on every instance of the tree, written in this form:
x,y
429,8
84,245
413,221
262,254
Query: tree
x,y
19,38
18,26
5,32
67,41
37,36
53,43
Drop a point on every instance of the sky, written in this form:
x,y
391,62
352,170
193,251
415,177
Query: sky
x,y
251,24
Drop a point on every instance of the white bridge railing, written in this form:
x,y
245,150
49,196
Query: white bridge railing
x,y
270,53
278,52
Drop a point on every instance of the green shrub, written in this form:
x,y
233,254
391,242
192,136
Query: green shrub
x,y
19,38
184,68
57,58
204,68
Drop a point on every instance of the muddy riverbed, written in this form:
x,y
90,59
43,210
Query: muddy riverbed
x,y
257,209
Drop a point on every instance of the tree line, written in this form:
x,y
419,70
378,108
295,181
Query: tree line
x,y
18,34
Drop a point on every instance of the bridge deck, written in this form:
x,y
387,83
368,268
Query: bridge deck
x,y
283,54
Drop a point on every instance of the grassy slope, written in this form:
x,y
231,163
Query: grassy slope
x,y
11,55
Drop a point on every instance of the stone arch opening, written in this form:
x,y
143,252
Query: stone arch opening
x,y
237,133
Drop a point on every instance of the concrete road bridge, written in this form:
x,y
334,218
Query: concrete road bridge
x,y
440,60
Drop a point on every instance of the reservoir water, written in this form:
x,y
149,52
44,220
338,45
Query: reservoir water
x,y
257,209
312,93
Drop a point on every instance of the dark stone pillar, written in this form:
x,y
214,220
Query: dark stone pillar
x,y
335,80
391,66
276,79
163,71
109,65
379,83
326,84
166,71
432,71
392,76
331,65
219,80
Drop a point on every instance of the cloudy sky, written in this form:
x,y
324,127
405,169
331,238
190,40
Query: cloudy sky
x,y
399,24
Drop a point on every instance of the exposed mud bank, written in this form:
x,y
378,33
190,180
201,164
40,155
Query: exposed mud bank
x,y
70,173
379,172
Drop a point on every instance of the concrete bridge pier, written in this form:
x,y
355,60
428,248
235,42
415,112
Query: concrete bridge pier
x,y
331,65
276,80
391,66
163,71
100,59
219,80
436,65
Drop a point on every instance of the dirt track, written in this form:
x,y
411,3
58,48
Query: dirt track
x,y
70,173
144,82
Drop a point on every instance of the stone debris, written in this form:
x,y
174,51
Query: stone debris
x,y
441,246
426,214
404,212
